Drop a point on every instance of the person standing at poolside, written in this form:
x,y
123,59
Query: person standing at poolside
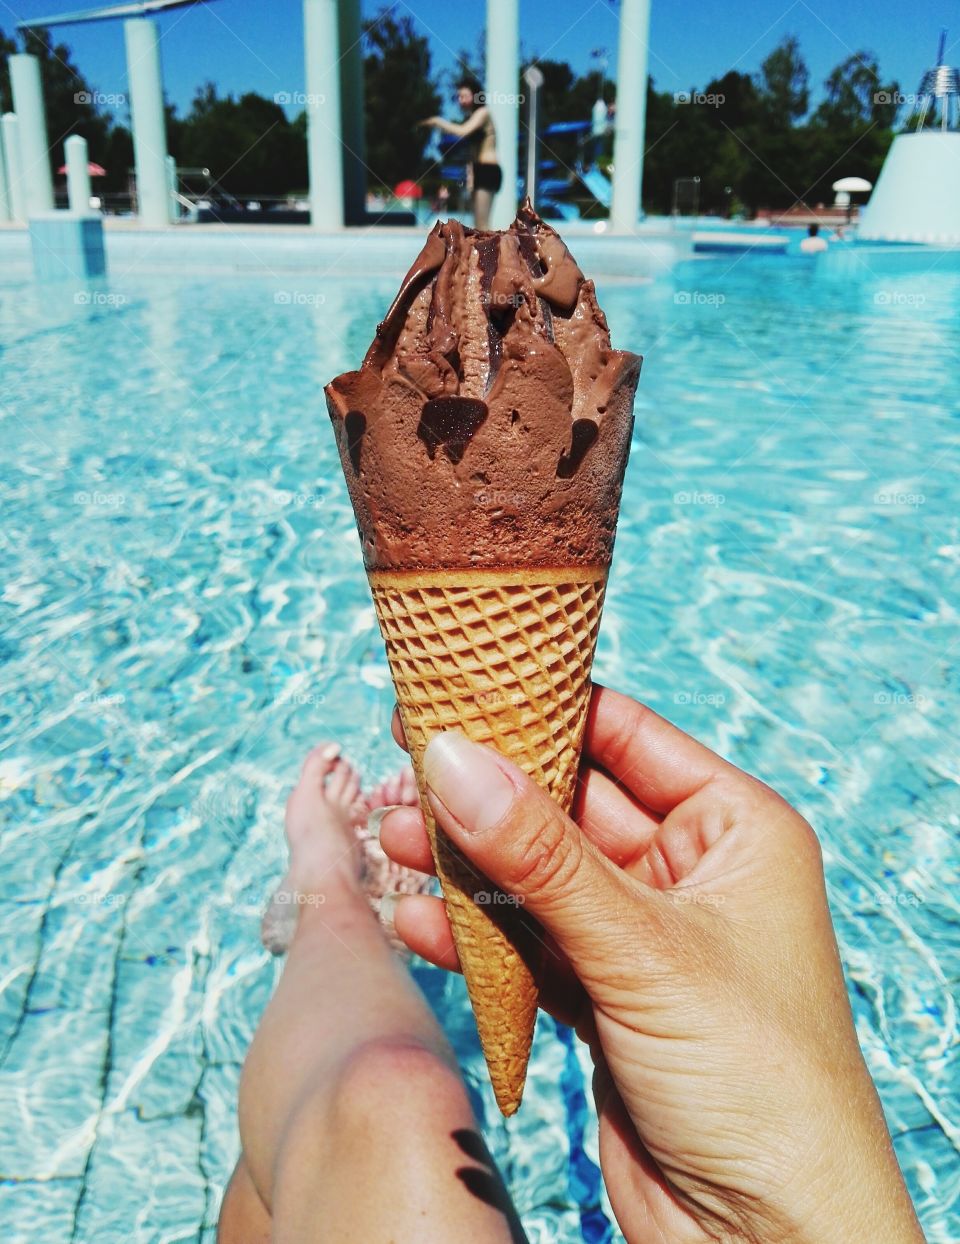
x,y
484,175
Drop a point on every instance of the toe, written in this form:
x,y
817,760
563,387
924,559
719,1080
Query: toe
x,y
343,784
351,790
319,762
337,781
375,798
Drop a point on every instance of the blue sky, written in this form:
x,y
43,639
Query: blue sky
x,y
256,44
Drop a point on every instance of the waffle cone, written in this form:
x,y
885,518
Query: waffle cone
x,y
505,657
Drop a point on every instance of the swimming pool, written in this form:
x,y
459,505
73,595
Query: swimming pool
x,y
184,614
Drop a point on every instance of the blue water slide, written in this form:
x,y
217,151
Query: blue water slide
x,y
568,127
551,186
598,185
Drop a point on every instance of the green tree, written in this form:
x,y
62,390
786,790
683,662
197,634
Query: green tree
x,y
855,94
665,159
738,100
399,91
118,161
7,49
777,146
249,145
851,130
473,64
785,82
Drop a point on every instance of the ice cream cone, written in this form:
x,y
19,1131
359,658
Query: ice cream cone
x,y
484,440
505,657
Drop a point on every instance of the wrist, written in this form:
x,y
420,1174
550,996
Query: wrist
x,y
861,1201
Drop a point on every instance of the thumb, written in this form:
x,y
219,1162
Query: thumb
x,y
507,826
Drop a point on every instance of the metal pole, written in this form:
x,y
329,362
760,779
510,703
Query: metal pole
x,y
34,154
78,174
503,71
632,58
11,157
149,127
170,169
533,77
321,44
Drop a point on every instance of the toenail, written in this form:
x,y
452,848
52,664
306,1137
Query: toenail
x,y
388,906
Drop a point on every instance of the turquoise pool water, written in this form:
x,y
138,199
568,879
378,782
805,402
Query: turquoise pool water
x,y
184,614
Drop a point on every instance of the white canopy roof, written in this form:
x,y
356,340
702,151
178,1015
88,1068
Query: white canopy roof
x,y
853,185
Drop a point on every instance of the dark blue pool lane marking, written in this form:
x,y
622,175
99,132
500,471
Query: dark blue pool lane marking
x,y
584,1181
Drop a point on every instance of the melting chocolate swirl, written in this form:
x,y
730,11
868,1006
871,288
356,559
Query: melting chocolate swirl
x,y
490,421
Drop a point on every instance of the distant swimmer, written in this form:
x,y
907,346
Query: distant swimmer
x,y
813,244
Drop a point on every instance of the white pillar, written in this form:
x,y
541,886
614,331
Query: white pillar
x,y
6,207
11,156
35,172
78,174
149,129
321,46
628,141
502,85
351,112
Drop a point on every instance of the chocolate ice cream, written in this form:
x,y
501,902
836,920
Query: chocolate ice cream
x,y
489,423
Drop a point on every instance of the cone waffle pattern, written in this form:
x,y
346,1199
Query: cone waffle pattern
x,y
504,656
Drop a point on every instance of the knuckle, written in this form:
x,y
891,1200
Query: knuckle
x,y
753,800
805,840
622,742
546,857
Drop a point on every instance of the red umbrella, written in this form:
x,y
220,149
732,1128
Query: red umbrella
x,y
94,170
407,190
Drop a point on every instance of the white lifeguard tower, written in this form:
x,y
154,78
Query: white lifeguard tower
x,y
917,196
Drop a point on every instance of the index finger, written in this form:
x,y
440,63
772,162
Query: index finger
x,y
658,763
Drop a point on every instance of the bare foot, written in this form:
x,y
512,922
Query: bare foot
x,y
325,858
381,875
332,852
320,817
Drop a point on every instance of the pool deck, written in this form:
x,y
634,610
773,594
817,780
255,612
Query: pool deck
x,y
213,249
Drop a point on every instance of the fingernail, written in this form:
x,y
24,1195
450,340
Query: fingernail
x,y
467,779
377,815
388,905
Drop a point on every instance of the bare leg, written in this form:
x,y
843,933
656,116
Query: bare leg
x,y
243,1218
482,202
354,1120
